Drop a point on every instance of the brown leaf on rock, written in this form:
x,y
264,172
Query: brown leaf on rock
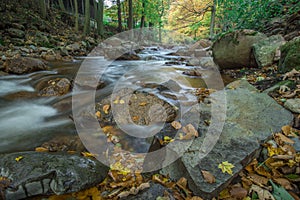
x,y
182,182
190,132
209,178
251,166
176,125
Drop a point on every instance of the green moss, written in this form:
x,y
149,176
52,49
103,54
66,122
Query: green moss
x,y
290,57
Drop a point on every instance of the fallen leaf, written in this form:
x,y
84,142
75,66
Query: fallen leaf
x,y
122,101
143,103
98,114
280,192
238,192
226,167
258,180
88,154
286,130
19,158
284,183
196,198
263,194
106,108
41,149
176,125
190,131
135,118
209,178
283,138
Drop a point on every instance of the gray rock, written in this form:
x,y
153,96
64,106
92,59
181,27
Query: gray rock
x,y
155,190
293,105
208,63
233,50
73,47
47,173
264,50
16,33
251,117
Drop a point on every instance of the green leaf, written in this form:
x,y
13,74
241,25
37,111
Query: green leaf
x,y
280,193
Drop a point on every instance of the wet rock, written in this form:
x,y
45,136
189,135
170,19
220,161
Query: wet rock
x,y
251,117
192,72
15,33
64,143
24,65
265,50
233,50
47,173
155,191
293,105
120,53
290,56
139,107
114,41
56,87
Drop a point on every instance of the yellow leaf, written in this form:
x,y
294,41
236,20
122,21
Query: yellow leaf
x,y
41,149
143,104
106,108
176,125
117,100
98,114
88,154
226,167
18,158
122,101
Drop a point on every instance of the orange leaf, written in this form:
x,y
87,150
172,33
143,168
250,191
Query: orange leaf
x,y
143,103
106,108
41,149
98,114
176,125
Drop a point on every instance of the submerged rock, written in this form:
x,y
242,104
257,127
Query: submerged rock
x,y
233,50
34,173
24,65
251,117
56,87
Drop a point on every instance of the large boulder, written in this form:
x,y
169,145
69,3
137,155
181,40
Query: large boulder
x,y
265,50
251,117
233,50
29,174
290,56
24,65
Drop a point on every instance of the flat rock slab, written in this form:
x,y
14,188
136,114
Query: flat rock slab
x,y
251,117
34,173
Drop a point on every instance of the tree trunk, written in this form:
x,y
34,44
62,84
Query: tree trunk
x,y
43,8
130,15
143,14
86,29
99,15
61,5
76,15
119,16
72,6
212,20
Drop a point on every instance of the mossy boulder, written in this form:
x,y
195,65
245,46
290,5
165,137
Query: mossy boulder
x,y
265,50
234,49
290,56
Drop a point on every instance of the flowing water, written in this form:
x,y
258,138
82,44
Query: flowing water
x,y
27,120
